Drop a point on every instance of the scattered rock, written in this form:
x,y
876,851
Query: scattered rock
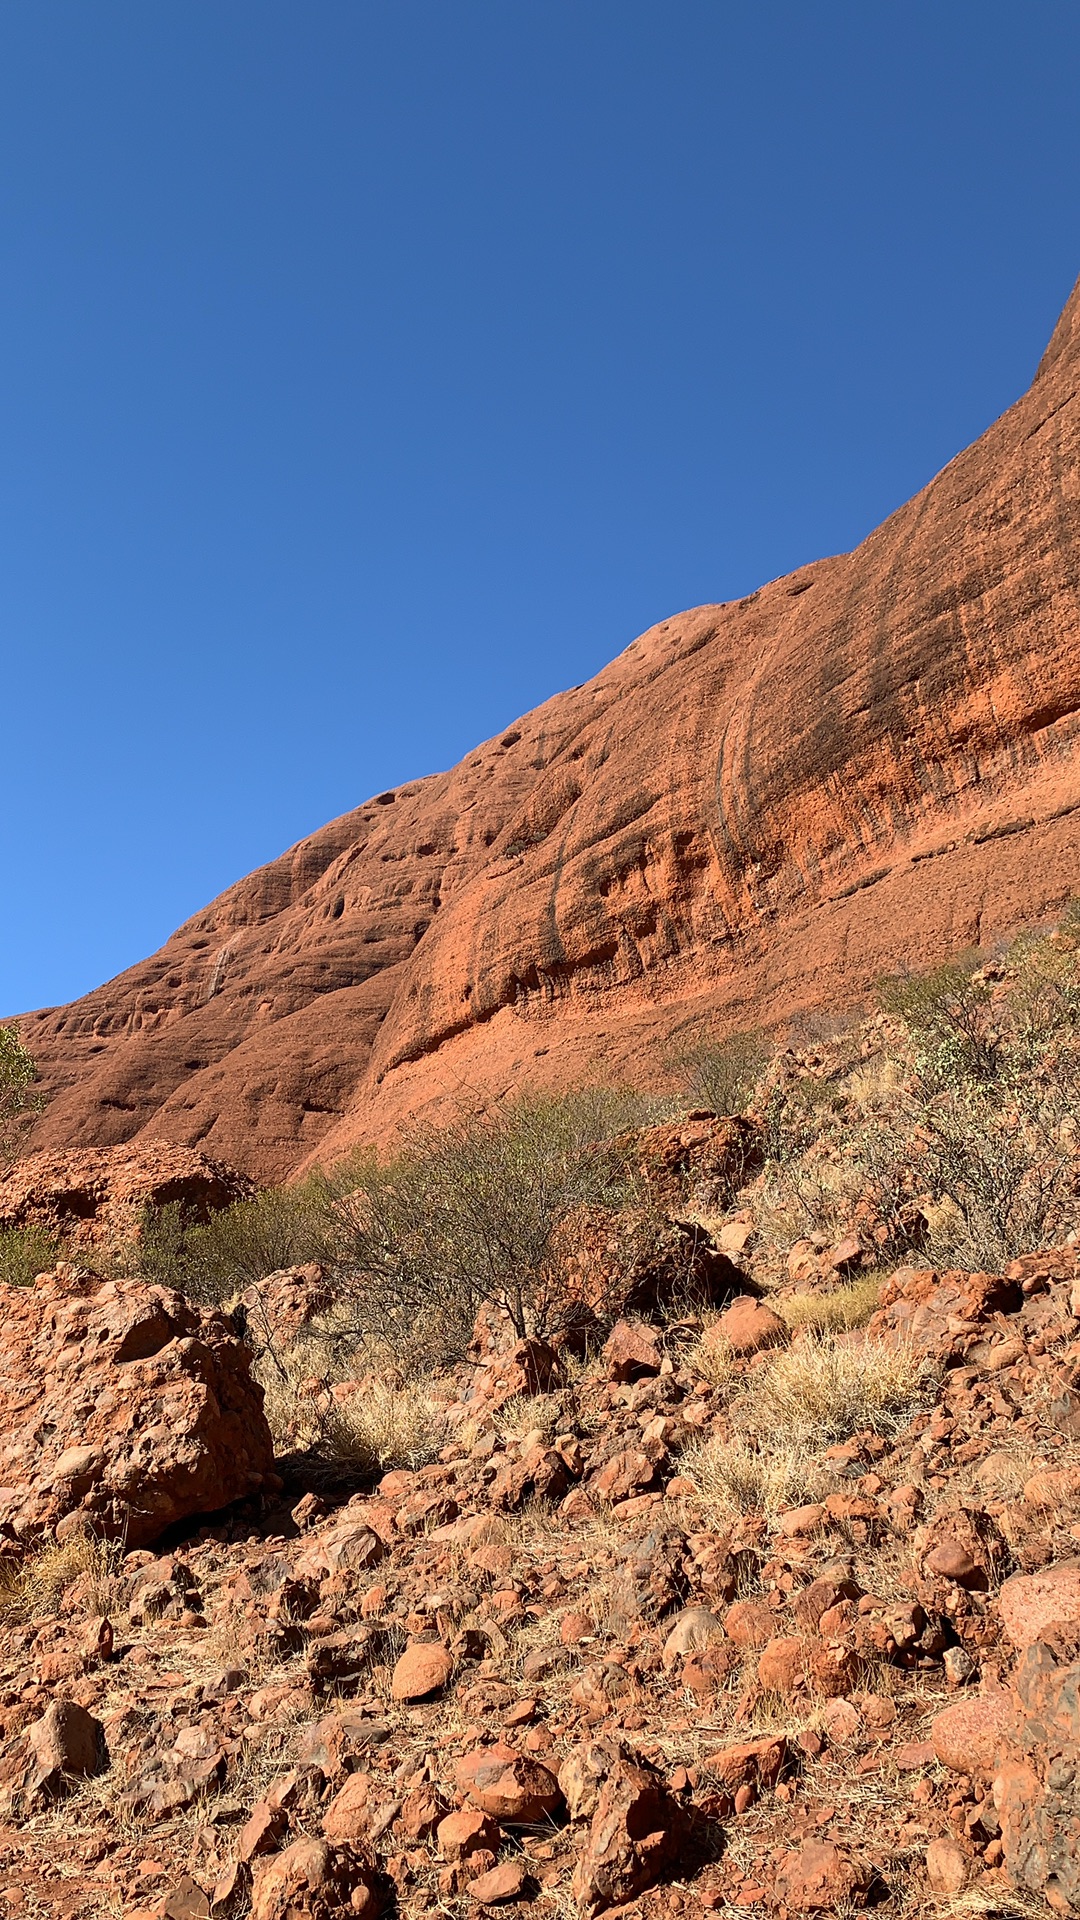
x,y
512,1787
508,1881
1030,1603
819,1877
314,1881
423,1669
636,1836
749,1327
67,1740
947,1866
631,1350
695,1628
966,1737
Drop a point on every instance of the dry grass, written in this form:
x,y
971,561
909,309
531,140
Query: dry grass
x,y
875,1084
531,1413
841,1311
737,1476
823,1389
820,1390
1007,1903
384,1426
712,1360
387,1422
32,1589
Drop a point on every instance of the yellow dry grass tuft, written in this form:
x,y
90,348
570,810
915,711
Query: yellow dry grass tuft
x,y
711,1360
824,1388
33,1588
386,1421
841,1311
384,1425
531,1413
739,1476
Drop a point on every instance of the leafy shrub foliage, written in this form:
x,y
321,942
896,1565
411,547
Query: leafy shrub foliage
x,y
950,1129
24,1253
211,1262
19,1102
948,1018
473,1213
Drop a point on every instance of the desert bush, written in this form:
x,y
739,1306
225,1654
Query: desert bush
x,y
20,1103
527,1413
794,1112
212,1261
949,1020
711,1359
384,1425
823,1389
1044,991
721,1074
24,1253
474,1212
1007,1168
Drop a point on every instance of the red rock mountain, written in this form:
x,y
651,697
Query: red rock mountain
x,y
756,809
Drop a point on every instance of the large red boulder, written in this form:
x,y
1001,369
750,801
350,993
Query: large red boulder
x,y
123,1408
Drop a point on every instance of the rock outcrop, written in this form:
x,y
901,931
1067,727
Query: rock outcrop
x,y
758,807
97,1194
123,1409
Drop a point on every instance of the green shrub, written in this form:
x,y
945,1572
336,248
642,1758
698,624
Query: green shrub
x,y
19,1103
721,1074
24,1253
948,1017
1006,1165
210,1262
472,1213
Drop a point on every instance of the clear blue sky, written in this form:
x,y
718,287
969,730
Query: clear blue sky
x,y
370,371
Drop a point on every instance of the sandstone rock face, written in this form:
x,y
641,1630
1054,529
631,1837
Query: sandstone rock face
x,y
122,1406
764,804
97,1194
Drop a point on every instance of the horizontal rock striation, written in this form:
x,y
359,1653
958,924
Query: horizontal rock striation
x,y
756,809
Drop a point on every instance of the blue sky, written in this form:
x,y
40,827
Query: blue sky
x,y
368,372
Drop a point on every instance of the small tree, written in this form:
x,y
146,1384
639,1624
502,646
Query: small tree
x,y
472,1213
19,1102
721,1074
949,1020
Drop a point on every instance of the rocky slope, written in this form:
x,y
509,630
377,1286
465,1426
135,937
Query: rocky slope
x,y
757,808
552,1669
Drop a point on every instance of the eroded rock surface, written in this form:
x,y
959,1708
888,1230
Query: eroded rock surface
x,y
123,1408
98,1193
